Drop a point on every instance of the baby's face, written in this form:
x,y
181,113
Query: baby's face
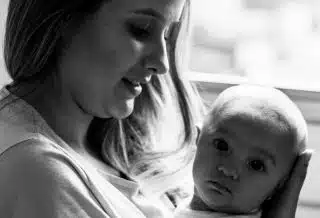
x,y
239,163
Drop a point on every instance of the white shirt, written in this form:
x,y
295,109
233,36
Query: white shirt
x,y
188,213
41,176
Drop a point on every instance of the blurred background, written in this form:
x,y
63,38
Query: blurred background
x,y
271,42
265,41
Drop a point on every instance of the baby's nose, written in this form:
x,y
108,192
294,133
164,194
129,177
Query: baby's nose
x,y
232,173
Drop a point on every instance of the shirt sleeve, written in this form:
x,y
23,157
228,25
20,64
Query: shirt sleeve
x,y
36,181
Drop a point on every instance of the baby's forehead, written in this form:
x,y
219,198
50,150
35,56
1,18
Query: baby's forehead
x,y
268,132
250,110
260,103
250,122
267,113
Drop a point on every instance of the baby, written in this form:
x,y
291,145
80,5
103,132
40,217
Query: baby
x,y
246,148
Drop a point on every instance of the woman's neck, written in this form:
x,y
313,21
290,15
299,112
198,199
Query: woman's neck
x,y
59,110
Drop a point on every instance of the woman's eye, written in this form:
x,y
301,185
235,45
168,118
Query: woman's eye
x,y
257,165
142,28
221,145
167,34
169,31
140,32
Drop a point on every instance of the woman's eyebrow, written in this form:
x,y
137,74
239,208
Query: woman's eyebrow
x,y
150,12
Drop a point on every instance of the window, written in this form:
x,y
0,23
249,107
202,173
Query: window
x,y
274,42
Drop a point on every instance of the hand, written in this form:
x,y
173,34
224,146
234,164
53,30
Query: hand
x,y
284,203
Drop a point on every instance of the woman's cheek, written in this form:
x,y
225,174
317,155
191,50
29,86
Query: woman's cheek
x,y
136,48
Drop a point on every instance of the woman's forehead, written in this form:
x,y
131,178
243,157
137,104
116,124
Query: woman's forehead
x,y
169,10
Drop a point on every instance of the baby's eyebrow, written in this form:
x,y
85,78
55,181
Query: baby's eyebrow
x,y
261,151
267,154
220,129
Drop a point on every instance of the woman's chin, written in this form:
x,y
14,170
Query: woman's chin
x,y
122,110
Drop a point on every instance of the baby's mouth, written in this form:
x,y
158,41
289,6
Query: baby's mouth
x,y
220,187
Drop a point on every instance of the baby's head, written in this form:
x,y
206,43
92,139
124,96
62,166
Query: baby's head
x,y
248,144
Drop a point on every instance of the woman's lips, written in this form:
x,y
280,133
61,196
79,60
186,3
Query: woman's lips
x,y
134,88
219,187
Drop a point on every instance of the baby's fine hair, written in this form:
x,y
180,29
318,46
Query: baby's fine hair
x,y
272,105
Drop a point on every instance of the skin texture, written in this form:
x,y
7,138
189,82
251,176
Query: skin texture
x,y
119,42
284,202
240,153
227,153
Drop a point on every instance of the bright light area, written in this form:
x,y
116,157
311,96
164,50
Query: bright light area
x,y
271,42
4,78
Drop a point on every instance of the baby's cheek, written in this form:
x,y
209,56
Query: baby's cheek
x,y
255,192
199,171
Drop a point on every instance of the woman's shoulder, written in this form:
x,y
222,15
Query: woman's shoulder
x,y
42,174
31,149
37,179
36,161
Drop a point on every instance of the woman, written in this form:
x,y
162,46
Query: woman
x,y
83,123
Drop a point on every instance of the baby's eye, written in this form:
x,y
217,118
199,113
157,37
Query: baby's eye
x,y
221,145
257,165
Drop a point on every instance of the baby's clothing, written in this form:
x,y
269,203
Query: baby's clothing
x,y
188,213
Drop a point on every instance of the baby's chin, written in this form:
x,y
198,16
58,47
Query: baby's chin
x,y
235,211
222,204
232,209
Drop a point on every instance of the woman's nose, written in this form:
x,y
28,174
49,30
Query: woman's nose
x,y
228,172
157,61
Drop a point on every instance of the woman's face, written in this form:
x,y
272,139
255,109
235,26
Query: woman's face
x,y
112,54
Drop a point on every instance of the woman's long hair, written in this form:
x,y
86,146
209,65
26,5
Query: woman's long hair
x,y
34,33
164,114
158,138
